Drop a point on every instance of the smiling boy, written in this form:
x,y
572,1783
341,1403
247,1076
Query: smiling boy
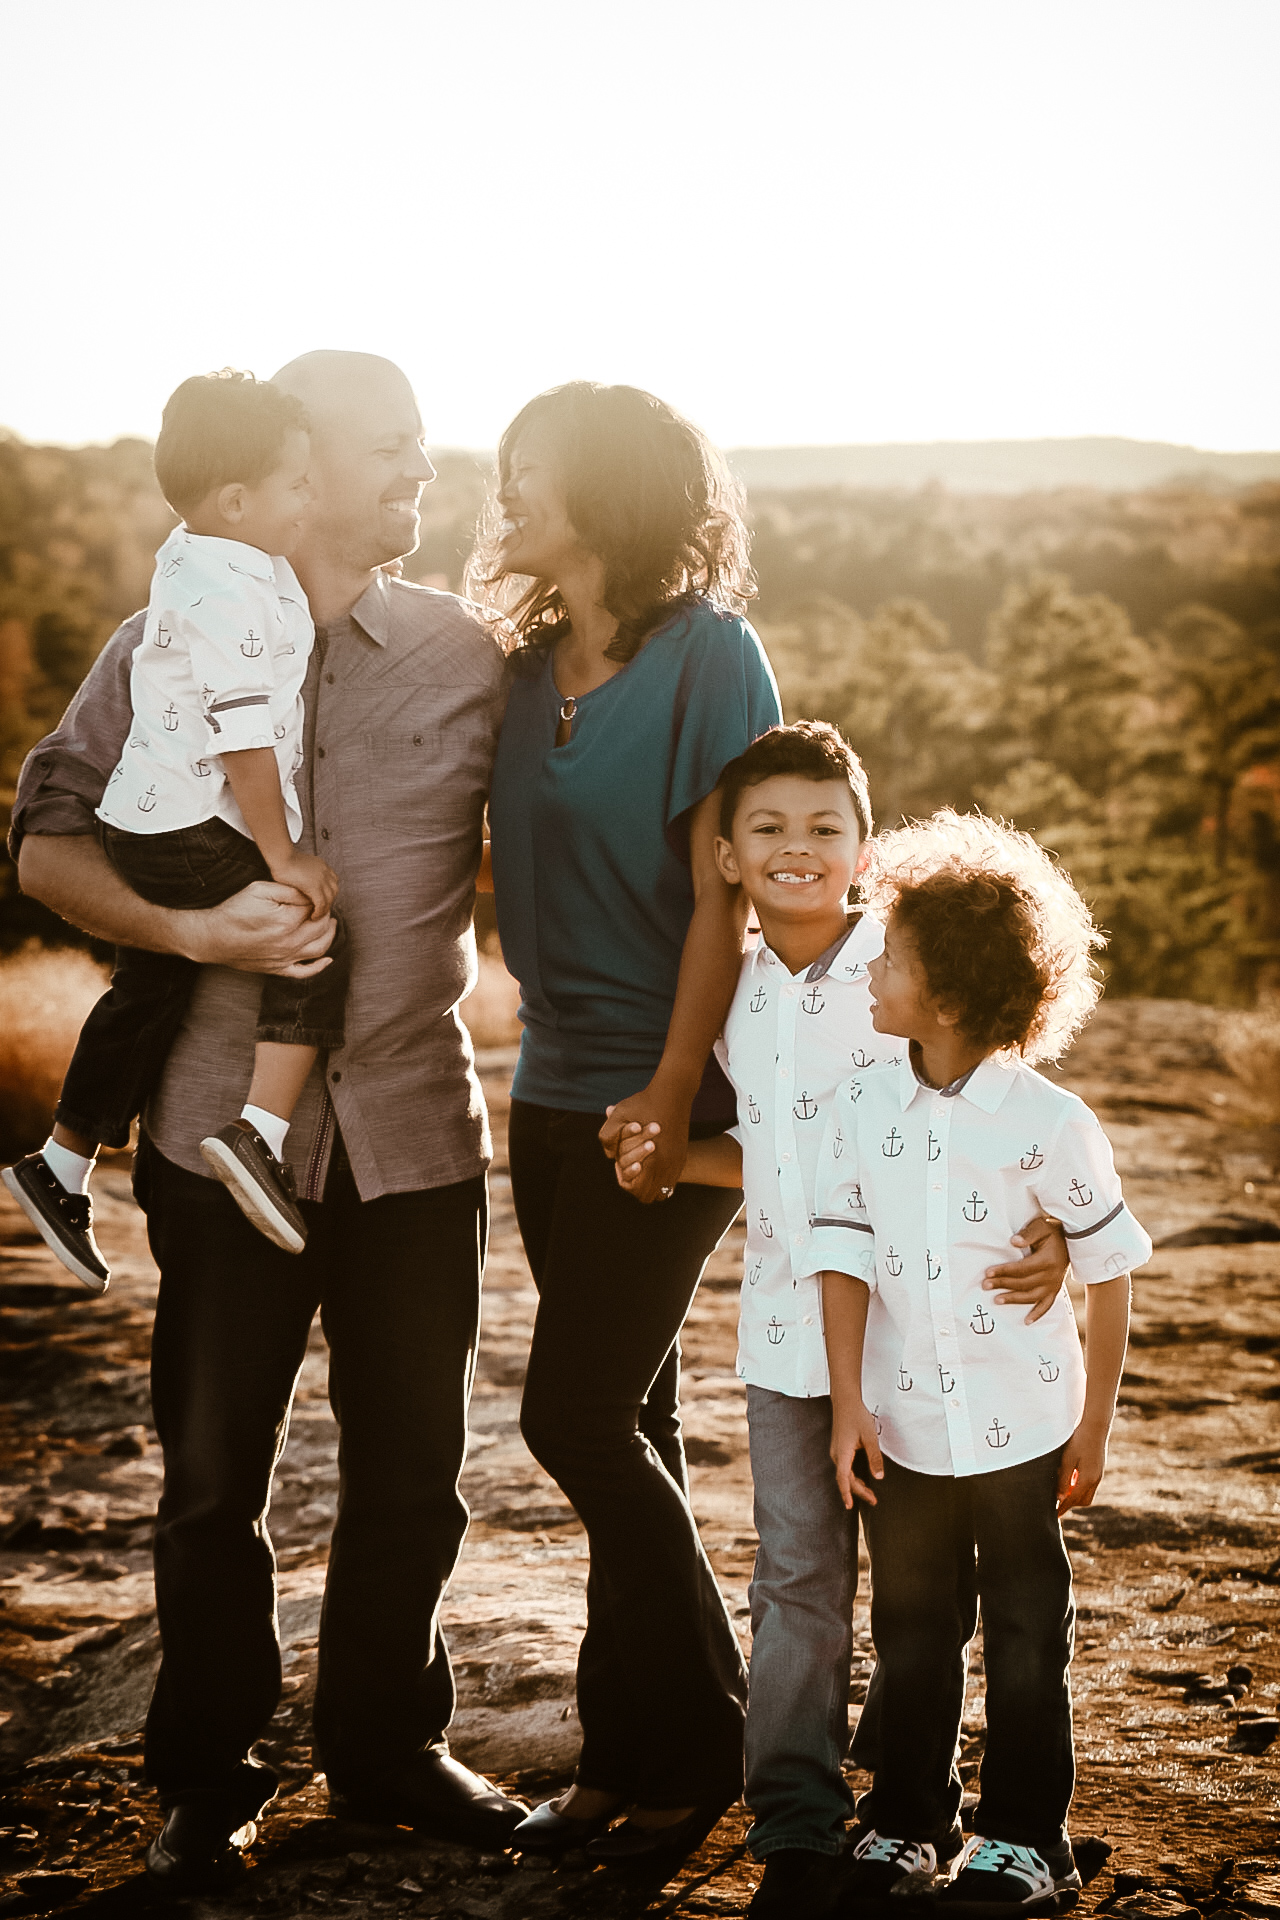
x,y
795,817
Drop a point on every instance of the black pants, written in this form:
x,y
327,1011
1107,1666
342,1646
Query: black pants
x,y
938,1547
397,1284
661,1681
125,1041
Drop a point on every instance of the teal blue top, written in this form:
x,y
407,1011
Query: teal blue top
x,y
591,846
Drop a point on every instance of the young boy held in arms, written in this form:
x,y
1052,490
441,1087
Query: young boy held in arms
x,y
202,804
966,1431
795,818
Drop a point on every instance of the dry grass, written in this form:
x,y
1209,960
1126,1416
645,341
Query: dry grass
x,y
45,994
1250,1045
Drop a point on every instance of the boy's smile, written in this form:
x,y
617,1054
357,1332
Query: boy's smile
x,y
796,848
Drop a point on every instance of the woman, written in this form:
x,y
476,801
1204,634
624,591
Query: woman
x,y
621,561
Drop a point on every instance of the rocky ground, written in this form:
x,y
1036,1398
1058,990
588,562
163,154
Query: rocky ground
x,y
1178,1670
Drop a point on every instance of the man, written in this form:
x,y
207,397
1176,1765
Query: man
x,y
389,1146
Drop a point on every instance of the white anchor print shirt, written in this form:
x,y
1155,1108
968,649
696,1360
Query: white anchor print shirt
x,y
919,1193
219,669
790,1040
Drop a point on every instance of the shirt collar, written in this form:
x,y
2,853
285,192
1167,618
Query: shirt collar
x,y
985,1085
843,958
232,553
372,611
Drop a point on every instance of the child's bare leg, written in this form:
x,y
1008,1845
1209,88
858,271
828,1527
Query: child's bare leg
x,y
74,1142
279,1075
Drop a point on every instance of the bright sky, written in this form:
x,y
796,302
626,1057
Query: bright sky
x,y
818,221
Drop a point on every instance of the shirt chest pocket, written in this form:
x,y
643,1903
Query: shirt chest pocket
x,y
427,779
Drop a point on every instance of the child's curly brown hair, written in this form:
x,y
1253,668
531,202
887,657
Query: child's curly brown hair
x,y
1003,937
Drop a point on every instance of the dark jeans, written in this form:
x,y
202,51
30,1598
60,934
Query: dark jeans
x,y
125,1041
397,1284
938,1547
661,1681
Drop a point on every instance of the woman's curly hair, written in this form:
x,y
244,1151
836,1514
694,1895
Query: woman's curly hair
x,y
645,491
1003,937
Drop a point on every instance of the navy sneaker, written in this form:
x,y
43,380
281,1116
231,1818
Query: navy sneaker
x,y
64,1220
880,1866
992,1877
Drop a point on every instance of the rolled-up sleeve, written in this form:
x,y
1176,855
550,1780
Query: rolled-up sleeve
x,y
1080,1187
65,775
230,640
841,1239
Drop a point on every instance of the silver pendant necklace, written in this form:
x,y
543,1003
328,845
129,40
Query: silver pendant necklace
x,y
568,707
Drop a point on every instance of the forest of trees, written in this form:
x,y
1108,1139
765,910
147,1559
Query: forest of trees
x,y
1102,669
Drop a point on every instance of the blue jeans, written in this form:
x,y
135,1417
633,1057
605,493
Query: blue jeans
x,y
802,1593
939,1546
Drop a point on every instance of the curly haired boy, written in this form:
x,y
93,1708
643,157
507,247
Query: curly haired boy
x,y
966,1431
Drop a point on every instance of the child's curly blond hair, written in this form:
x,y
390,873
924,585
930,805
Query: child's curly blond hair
x,y
1003,937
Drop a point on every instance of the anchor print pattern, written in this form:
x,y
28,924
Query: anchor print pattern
x,y
1031,1159
753,1111
855,1090
981,1321
766,1224
893,1262
998,1435
753,1273
856,1202
905,1382
946,1380
892,1144
758,1001
813,1001
805,1108
875,1415
837,1146
776,1331
213,639
861,1058
934,1271
974,1208
935,1147
1048,1369
1079,1194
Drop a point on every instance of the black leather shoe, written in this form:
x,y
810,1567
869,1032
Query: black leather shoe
x,y
650,1849
435,1794
549,1832
199,1849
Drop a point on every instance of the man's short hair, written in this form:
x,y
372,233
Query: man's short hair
x,y
814,750
219,428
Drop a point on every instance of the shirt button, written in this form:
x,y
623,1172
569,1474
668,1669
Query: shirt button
x,y
319,753
335,1077
328,679
324,833
786,1156
798,1238
937,1187
955,1403
417,739
944,1333
782,1072
808,1320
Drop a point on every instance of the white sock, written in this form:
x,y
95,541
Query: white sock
x,y
73,1169
272,1128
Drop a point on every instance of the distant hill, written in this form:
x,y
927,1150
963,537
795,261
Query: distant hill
x,y
1001,466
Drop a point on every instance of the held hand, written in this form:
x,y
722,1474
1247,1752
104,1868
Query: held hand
x,y
635,1145
668,1117
265,928
1037,1278
1084,1461
311,876
852,1433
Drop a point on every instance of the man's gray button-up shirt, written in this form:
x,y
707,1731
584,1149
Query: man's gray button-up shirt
x,y
404,700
